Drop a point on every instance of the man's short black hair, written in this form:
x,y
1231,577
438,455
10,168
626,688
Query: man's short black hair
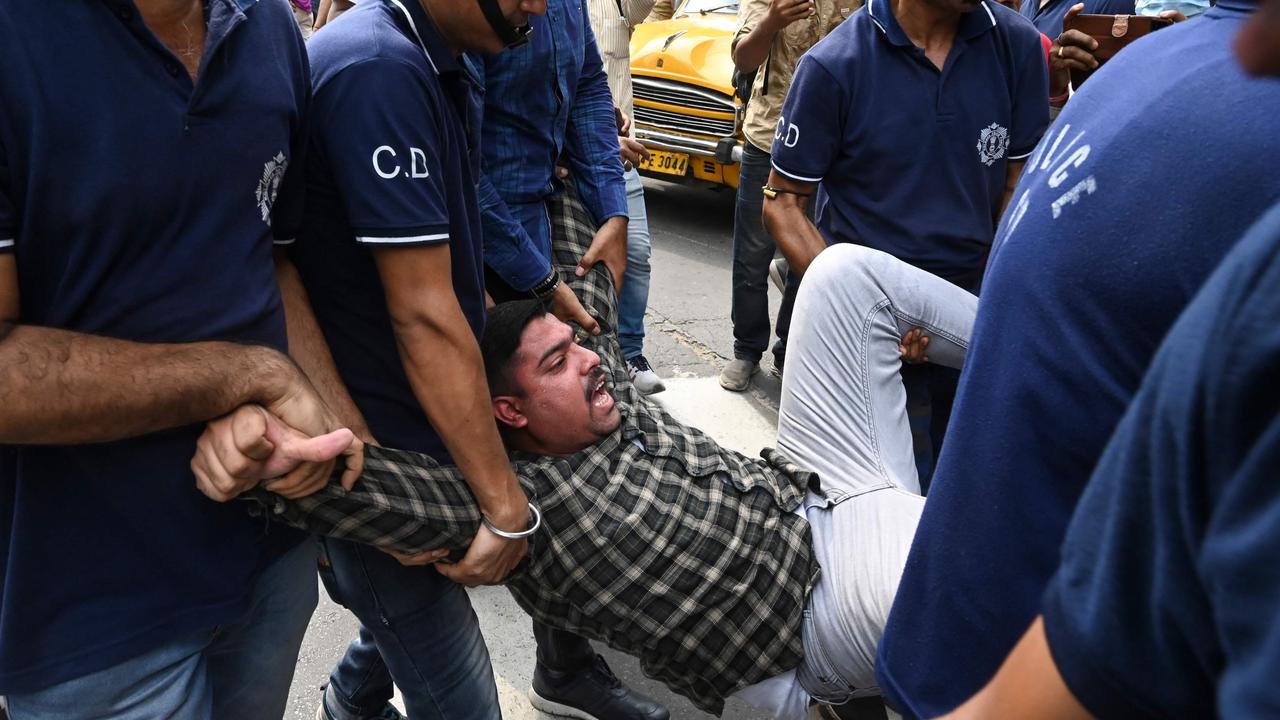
x,y
503,326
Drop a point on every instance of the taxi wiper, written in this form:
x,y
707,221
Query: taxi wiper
x,y
717,8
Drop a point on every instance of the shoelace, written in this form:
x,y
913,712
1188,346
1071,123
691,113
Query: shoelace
x,y
602,668
639,364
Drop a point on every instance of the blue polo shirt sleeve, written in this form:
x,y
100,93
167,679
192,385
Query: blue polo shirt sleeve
x,y
1030,114
383,153
287,212
591,140
810,129
1165,601
508,249
8,213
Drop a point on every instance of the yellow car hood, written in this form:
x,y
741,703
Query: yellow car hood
x,y
692,48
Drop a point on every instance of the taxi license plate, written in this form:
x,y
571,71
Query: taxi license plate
x,y
668,163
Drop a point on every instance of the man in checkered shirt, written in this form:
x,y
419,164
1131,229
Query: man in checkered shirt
x,y
724,574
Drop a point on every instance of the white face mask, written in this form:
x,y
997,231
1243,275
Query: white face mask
x,y
1153,8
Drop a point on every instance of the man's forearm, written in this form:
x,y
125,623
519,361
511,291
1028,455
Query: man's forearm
x,y
61,387
796,236
307,346
444,367
753,48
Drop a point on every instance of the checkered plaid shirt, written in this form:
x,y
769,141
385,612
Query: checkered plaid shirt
x,y
655,540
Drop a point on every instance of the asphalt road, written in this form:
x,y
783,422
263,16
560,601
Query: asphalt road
x,y
689,340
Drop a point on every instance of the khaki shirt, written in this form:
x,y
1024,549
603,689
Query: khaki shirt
x,y
788,45
662,10
613,36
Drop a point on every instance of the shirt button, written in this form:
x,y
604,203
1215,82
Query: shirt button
x,y
172,68
124,14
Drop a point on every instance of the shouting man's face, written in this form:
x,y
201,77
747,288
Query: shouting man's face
x,y
561,401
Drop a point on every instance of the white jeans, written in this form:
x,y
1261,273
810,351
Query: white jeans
x,y
843,415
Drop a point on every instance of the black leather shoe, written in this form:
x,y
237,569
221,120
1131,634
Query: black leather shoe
x,y
592,693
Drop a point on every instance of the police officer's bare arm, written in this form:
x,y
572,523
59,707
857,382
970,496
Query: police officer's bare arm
x,y
442,361
308,347
786,221
62,387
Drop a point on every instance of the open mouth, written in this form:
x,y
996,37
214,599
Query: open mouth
x,y
598,391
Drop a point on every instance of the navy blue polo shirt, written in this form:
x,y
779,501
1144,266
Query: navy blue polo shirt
x,y
1101,249
394,157
1165,603
913,160
1048,17
138,206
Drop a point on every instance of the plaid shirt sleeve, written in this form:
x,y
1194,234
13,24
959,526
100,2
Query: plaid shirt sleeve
x,y
403,501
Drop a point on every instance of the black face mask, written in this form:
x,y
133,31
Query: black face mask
x,y
512,37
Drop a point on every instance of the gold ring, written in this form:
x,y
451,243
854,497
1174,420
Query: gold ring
x,y
1059,52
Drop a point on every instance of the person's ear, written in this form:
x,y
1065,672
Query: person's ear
x,y
507,411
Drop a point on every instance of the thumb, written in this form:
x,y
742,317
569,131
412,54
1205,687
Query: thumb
x,y
249,431
450,571
587,262
317,449
587,322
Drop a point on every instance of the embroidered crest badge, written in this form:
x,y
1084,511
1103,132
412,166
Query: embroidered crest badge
x,y
269,185
993,142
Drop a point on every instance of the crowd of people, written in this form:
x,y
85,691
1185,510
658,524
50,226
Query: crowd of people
x,y
356,290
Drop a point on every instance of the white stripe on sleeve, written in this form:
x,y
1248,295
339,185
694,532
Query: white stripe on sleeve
x,y
402,240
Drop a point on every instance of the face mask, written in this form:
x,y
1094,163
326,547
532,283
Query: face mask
x,y
1153,8
512,37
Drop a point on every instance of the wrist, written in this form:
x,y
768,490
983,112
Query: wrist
x,y
510,512
547,286
266,376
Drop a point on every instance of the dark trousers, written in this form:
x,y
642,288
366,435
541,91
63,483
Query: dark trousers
x,y
753,250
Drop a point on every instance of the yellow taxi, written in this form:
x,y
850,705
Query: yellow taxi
x,y
685,111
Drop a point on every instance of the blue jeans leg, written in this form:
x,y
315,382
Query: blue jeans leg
x,y
425,632
360,684
634,297
240,670
169,682
251,662
753,250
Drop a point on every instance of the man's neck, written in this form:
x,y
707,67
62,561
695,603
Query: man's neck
x,y
928,26
436,10
165,13
179,24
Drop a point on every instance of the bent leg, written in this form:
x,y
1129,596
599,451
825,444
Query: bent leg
x,y
843,409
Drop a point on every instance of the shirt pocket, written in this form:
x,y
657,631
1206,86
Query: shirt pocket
x,y
614,39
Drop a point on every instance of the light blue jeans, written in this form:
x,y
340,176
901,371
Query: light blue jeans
x,y
843,414
241,671
634,297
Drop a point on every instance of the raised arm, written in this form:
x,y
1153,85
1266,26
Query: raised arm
x,y
595,163
759,22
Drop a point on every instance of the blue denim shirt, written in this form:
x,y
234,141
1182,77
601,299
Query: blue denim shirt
x,y
544,100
